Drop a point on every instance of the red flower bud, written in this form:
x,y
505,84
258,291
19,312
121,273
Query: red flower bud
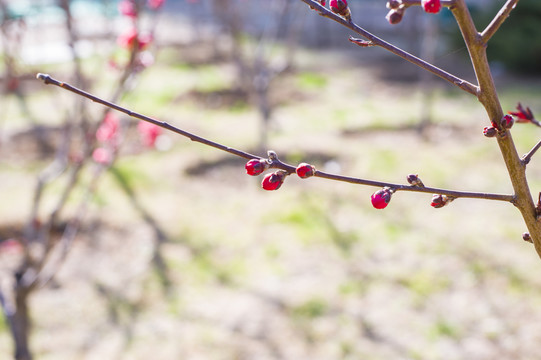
x,y
526,237
341,8
273,181
439,201
338,5
490,131
395,15
381,198
305,170
431,6
255,167
507,122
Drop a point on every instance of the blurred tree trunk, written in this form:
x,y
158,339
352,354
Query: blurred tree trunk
x,y
17,316
20,324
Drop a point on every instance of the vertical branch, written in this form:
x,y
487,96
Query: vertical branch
x,y
488,96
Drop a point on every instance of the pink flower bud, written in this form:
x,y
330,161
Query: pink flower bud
x,y
256,166
526,237
273,181
507,122
381,198
305,170
490,131
431,6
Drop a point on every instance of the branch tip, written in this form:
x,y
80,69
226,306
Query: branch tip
x,y
44,77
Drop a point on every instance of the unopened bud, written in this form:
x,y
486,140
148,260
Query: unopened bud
x,y
395,15
490,131
431,6
393,4
507,122
381,198
274,181
305,170
414,180
341,8
439,201
255,167
526,237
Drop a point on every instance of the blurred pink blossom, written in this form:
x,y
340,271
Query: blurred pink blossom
x,y
131,38
155,4
127,8
102,156
149,133
108,129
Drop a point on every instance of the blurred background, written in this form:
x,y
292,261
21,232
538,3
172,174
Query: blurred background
x,y
122,241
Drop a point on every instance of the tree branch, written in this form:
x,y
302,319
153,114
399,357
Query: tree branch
x,y
273,161
526,158
489,98
461,83
498,20
49,80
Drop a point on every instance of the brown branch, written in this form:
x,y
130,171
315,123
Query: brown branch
x,y
489,98
461,83
498,20
49,80
526,158
273,159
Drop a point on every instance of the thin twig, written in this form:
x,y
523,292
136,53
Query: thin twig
x,y
526,158
461,83
274,161
498,20
49,80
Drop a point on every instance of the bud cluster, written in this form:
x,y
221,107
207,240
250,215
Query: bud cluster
x,y
505,123
397,9
339,7
274,181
